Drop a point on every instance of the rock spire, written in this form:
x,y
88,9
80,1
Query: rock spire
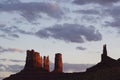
x,y
104,55
46,63
58,63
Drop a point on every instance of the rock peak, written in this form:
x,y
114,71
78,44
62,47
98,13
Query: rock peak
x,y
104,55
105,50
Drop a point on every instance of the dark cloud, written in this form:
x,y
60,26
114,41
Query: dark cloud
x,y
115,23
71,33
3,50
101,2
2,35
2,25
88,12
81,48
32,10
15,35
14,68
2,59
114,12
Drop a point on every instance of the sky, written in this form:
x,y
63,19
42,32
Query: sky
x,y
76,28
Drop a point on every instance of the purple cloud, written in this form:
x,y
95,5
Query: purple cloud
x,y
101,2
71,33
32,10
81,48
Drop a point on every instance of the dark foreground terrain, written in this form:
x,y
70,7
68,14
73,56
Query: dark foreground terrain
x,y
105,74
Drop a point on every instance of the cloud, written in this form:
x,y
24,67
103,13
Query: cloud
x,y
12,60
2,59
9,1
101,2
108,15
89,11
75,67
2,35
71,33
10,68
31,10
115,23
70,68
114,12
13,32
4,75
81,48
3,50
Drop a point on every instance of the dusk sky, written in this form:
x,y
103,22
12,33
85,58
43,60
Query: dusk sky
x,y
76,28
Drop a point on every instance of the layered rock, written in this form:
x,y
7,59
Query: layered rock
x,y
58,67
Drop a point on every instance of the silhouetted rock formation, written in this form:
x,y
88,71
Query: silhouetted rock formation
x,y
58,63
38,68
106,62
35,69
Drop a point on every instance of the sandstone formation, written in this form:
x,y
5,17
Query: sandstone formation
x,y
46,63
35,61
58,63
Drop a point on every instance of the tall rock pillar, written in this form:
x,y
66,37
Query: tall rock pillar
x,y
104,55
58,67
46,63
